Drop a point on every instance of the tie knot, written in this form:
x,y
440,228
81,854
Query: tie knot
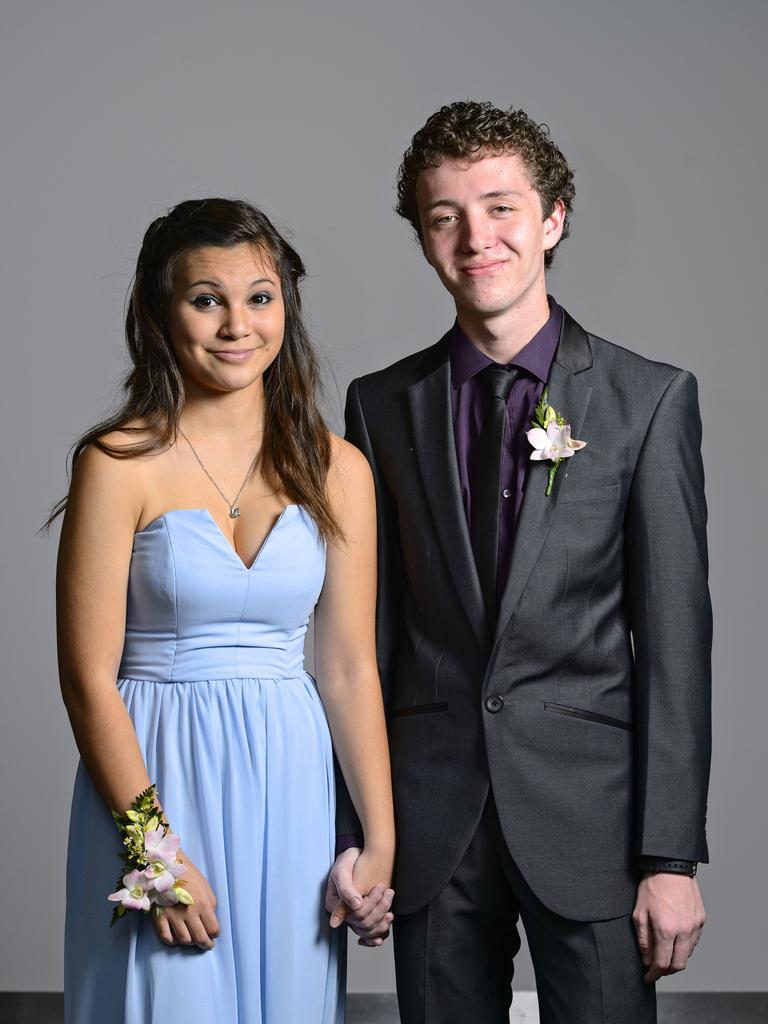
x,y
499,380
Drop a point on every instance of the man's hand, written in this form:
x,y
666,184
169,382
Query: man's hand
x,y
668,919
368,916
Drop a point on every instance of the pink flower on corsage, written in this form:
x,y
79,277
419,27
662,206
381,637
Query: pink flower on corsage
x,y
134,895
551,438
160,849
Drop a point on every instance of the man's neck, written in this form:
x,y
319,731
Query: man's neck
x,y
502,336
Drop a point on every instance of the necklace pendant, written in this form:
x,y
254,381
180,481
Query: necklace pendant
x,y
234,512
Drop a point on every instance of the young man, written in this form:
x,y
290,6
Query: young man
x,y
544,624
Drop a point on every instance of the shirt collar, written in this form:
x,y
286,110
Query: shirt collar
x,y
536,357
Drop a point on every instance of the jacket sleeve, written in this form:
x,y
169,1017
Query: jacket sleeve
x,y
671,623
389,589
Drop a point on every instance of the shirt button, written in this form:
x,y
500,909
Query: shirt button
x,y
494,704
507,493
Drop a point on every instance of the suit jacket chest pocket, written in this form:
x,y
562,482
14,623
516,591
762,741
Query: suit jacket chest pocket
x,y
603,493
587,530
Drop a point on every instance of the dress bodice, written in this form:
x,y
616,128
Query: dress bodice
x,y
195,611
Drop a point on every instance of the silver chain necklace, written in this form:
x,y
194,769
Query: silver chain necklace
x,y
234,511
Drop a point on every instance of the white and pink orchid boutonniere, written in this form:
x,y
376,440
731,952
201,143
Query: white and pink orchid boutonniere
x,y
551,438
153,874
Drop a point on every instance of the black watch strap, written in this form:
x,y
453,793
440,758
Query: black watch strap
x,y
674,867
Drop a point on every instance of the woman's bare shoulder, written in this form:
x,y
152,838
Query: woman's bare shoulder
x,y
348,462
127,436
349,475
106,470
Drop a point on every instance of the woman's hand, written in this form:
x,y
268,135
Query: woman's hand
x,y
195,925
370,868
358,892
372,875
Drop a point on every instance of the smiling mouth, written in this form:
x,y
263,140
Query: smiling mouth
x,y
482,269
231,355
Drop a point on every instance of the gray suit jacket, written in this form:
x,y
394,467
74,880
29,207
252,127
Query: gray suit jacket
x,y
586,704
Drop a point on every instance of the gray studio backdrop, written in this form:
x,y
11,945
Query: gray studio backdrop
x,y
112,112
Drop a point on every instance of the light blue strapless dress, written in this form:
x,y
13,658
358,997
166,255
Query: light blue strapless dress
x,y
234,734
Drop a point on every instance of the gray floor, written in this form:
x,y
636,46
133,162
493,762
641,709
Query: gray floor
x,y
710,1008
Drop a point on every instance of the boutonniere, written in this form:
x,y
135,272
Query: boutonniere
x,y
551,438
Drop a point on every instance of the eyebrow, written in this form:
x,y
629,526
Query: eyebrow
x,y
486,195
217,284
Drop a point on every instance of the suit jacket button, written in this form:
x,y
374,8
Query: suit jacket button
x,y
494,703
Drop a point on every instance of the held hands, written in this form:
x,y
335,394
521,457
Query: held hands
x,y
195,925
668,919
355,893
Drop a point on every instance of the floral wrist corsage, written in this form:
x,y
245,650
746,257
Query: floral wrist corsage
x,y
153,874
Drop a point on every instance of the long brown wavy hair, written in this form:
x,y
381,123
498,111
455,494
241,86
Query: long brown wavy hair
x,y
296,444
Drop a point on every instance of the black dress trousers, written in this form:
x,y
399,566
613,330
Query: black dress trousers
x,y
454,958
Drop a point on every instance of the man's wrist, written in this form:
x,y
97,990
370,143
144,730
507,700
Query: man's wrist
x,y
347,841
670,865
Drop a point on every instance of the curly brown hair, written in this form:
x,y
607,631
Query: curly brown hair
x,y
474,130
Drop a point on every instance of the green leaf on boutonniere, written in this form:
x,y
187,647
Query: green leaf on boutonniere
x,y
540,411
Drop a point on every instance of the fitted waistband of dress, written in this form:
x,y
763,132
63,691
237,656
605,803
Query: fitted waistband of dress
x,y
186,664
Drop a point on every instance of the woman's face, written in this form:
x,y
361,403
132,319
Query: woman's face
x,y
227,316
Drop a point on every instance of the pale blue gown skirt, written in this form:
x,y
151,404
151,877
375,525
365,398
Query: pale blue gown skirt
x,y
234,734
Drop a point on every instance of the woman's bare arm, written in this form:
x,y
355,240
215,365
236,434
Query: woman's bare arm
x,y
105,504
91,586
347,675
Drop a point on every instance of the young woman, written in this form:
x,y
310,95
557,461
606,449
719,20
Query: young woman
x,y
205,522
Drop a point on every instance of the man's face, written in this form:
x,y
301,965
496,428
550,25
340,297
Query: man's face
x,y
484,232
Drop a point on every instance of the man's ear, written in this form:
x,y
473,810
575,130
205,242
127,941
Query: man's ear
x,y
553,225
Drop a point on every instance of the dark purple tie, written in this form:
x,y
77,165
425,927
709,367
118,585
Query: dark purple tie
x,y
486,494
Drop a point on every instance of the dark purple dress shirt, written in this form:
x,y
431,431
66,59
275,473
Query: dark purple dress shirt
x,y
470,405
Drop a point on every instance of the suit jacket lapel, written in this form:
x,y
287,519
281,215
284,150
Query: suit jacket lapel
x,y
570,396
430,406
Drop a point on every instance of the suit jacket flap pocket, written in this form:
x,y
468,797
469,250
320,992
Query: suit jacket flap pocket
x,y
611,492
418,709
